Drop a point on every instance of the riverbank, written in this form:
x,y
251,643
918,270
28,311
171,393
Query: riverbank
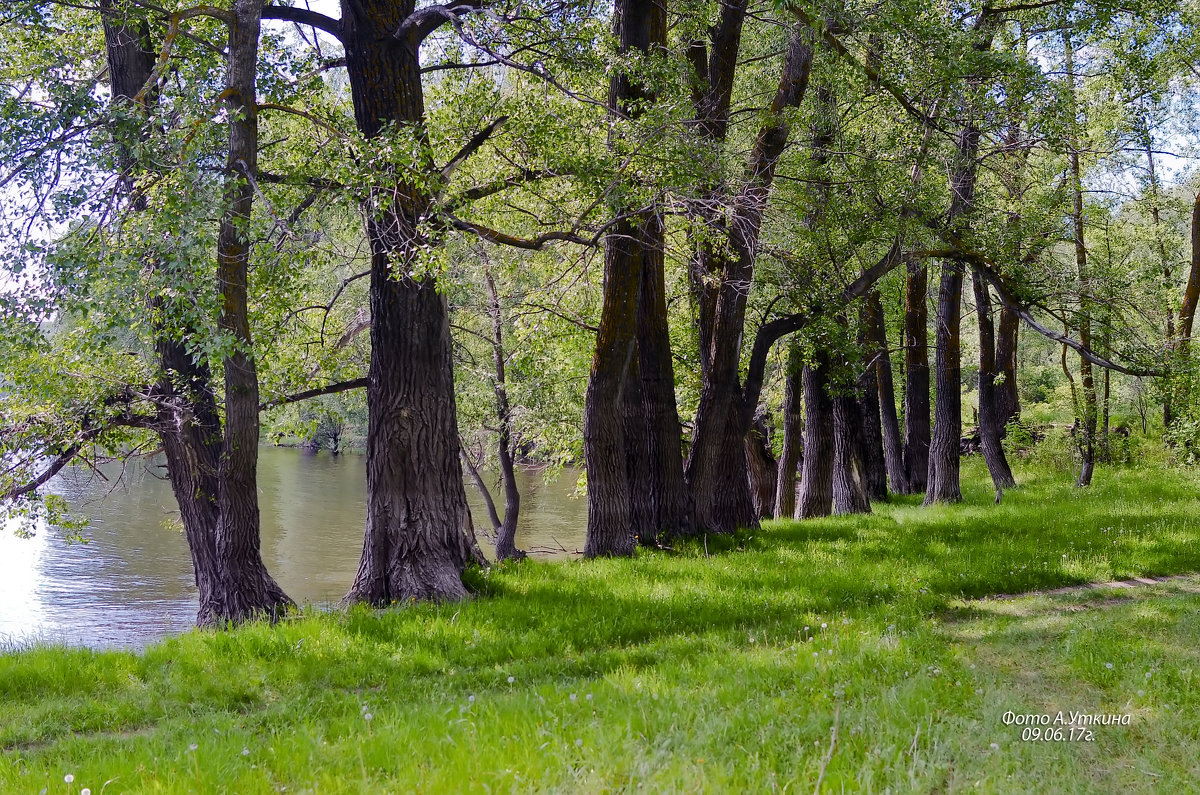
x,y
849,651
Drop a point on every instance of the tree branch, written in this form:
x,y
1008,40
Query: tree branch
x,y
302,114
772,331
529,244
424,21
471,146
56,466
981,264
303,16
872,74
331,389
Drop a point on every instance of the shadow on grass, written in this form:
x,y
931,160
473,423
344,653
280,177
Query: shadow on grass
x,y
561,623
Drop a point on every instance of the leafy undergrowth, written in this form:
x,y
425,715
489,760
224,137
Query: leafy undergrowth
x,y
845,651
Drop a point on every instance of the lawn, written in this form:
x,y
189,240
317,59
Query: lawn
x,y
840,654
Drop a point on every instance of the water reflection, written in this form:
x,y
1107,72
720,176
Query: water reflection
x,y
132,583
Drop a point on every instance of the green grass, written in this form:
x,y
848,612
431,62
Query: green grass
x,y
848,650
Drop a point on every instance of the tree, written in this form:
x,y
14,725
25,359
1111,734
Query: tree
x,y
211,458
614,433
716,466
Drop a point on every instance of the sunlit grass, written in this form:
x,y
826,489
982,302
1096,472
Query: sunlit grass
x,y
736,669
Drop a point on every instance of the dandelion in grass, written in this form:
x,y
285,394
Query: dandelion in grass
x,y
471,699
1108,665
578,743
995,746
85,791
512,679
824,625
367,716
70,777
193,747
589,696
573,696
245,752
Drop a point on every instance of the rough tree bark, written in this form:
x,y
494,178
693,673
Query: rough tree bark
x,y
816,480
916,376
506,532
893,443
990,430
849,469
867,389
416,544
716,465
942,482
670,500
1008,400
207,469
637,456
615,397
762,469
793,424
248,589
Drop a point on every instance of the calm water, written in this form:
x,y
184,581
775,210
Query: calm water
x,y
132,583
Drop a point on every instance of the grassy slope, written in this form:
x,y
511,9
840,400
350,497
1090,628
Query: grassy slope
x,y
681,672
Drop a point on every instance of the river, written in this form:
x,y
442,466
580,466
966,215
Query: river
x,y
132,582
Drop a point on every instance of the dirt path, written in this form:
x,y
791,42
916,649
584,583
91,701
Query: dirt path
x,y
1135,582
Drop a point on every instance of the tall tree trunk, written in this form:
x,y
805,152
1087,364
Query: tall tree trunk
x,y
916,374
614,400
1087,445
849,469
716,465
793,423
610,530
417,543
229,575
816,480
1164,261
867,387
637,457
506,534
1181,349
942,483
248,589
671,502
762,469
489,504
190,430
1016,154
1191,292
188,422
1008,400
990,430
893,443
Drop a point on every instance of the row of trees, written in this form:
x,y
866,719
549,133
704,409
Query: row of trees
x,y
419,194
